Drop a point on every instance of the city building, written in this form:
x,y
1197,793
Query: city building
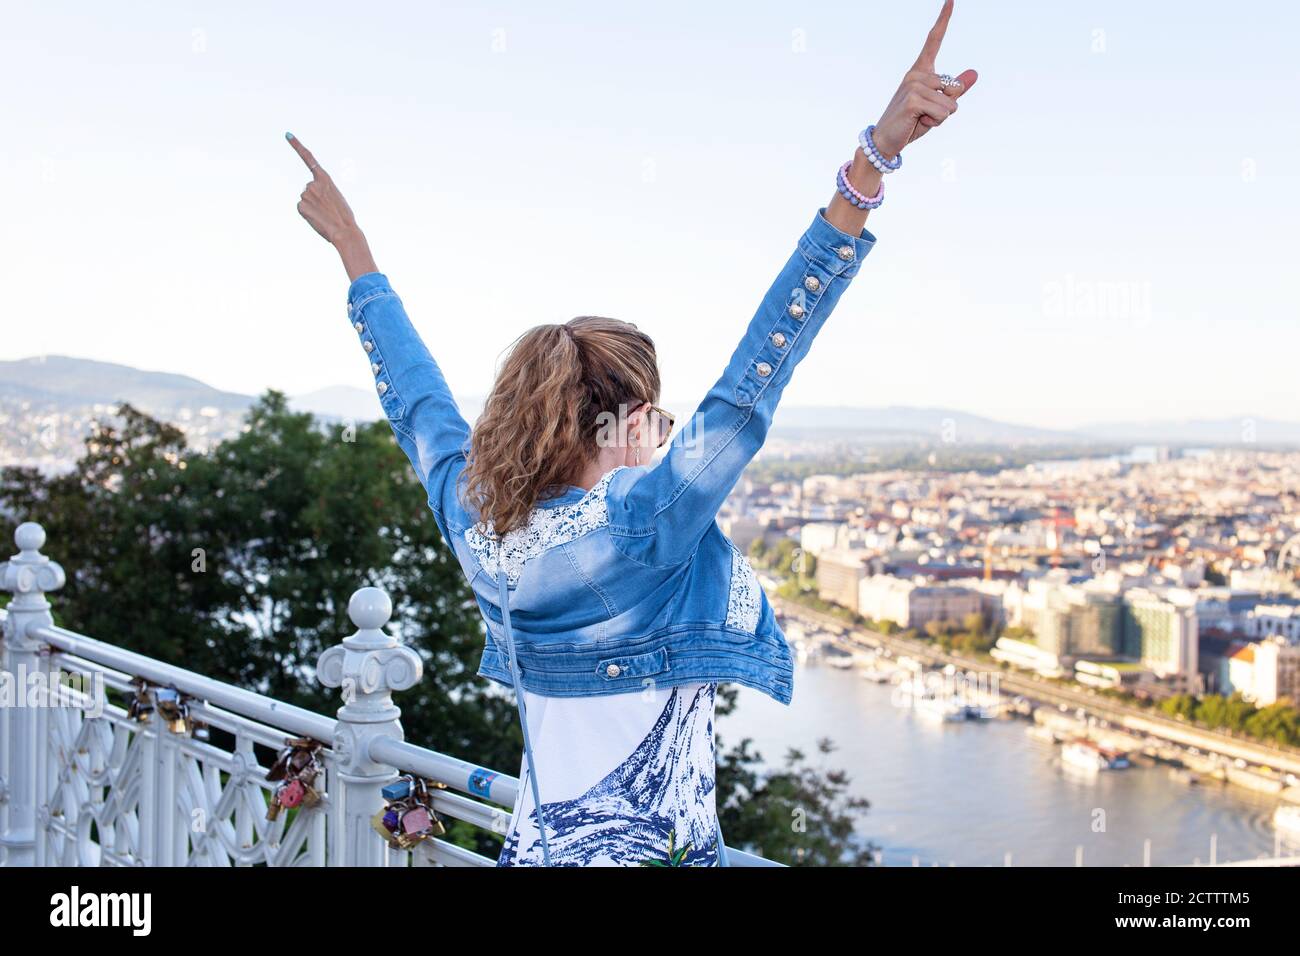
x,y
1267,620
1162,635
1263,672
909,604
839,572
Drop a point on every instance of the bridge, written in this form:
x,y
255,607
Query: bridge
x,y
88,782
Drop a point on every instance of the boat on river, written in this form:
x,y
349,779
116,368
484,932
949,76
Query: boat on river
x,y
1090,755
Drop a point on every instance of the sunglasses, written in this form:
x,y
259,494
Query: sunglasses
x,y
663,421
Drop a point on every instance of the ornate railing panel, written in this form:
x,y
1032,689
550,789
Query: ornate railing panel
x,y
135,780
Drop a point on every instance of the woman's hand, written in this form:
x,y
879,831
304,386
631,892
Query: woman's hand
x,y
921,102
326,211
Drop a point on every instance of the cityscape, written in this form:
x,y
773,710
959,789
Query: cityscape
x,y
1161,581
1181,566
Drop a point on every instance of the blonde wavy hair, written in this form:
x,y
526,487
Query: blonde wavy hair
x,y
539,427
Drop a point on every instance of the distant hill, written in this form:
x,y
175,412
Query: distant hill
x,y
898,423
47,404
1208,432
73,381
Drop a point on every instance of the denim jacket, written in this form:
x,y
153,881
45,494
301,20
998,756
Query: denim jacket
x,y
631,583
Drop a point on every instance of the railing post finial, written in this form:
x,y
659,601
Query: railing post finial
x,y
29,575
368,666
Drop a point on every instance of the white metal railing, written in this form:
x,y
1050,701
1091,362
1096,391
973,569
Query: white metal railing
x,y
84,782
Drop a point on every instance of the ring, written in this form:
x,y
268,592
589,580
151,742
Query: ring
x,y
947,80
313,166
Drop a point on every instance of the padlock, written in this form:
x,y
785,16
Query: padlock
x,y
279,768
181,723
172,709
377,821
140,706
290,793
298,764
273,807
387,824
426,799
310,772
416,821
399,789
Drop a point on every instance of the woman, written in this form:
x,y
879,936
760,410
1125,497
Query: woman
x,y
614,604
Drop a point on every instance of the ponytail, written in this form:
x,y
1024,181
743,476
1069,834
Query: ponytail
x,y
538,428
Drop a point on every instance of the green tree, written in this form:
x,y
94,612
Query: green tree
x,y
1278,722
1179,705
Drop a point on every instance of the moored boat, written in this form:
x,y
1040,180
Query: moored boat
x,y
1091,756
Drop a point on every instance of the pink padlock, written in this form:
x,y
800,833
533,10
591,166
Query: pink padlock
x,y
416,820
291,793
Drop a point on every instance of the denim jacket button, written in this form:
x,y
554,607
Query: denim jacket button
x,y
613,670
845,252
383,387
778,339
796,310
812,283
374,367
763,369
368,346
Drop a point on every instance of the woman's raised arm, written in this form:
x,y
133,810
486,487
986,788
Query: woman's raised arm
x,y
659,513
412,390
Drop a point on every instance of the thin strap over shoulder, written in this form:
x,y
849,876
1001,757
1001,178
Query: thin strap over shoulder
x,y
523,715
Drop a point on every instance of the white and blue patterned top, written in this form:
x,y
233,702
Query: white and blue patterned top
x,y
625,780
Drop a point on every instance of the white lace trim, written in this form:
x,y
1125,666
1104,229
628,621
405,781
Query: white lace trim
x,y
546,528
743,600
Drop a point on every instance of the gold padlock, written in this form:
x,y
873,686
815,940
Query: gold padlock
x,y
377,821
311,797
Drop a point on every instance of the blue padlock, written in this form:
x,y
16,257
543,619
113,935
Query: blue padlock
x,y
397,790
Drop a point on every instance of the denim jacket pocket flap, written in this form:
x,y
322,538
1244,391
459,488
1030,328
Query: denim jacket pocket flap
x,y
393,406
640,665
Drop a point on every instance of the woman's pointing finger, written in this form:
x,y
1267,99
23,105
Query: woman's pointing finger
x,y
306,155
934,40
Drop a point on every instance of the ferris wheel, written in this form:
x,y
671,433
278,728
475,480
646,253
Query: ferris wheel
x,y
1288,559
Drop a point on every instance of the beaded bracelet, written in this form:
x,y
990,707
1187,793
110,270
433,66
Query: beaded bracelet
x,y
855,197
878,160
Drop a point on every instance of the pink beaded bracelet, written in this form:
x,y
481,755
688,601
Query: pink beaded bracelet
x,y
848,191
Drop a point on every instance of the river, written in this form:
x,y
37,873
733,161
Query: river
x,y
970,793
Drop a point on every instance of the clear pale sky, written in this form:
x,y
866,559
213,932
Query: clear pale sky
x,y
1106,229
